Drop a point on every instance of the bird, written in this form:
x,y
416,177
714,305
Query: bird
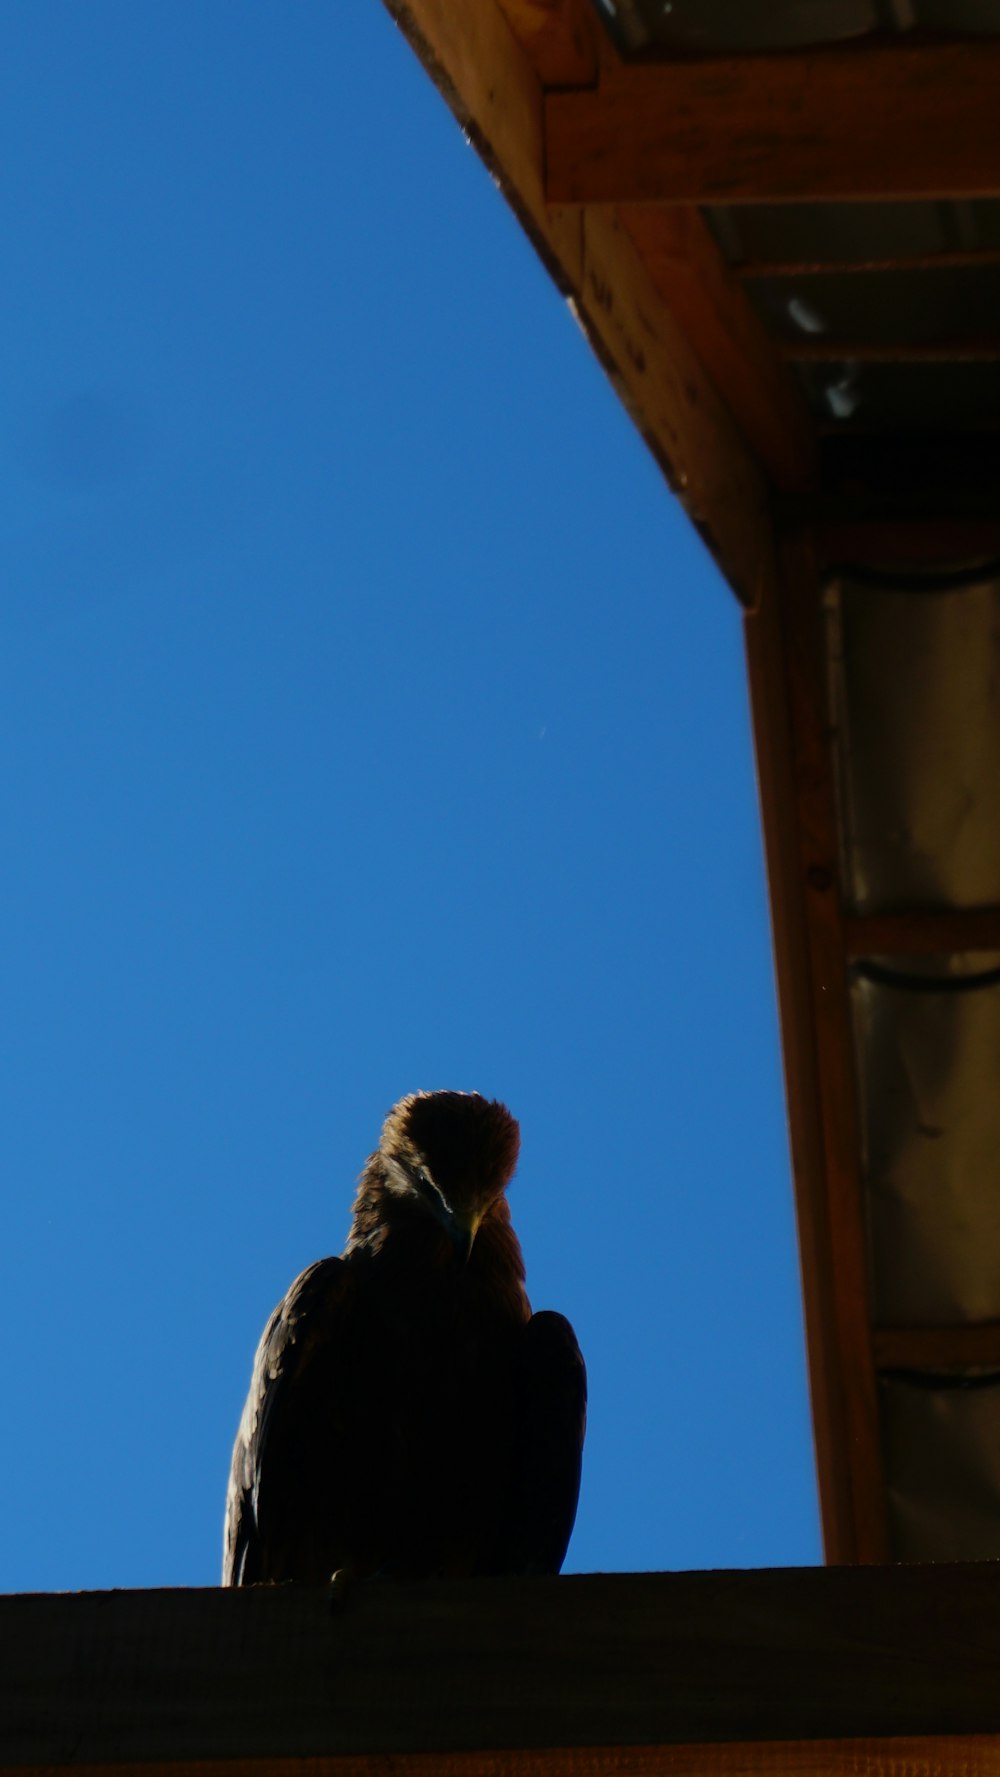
x,y
408,1415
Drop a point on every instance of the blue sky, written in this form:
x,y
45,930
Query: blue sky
x,y
371,719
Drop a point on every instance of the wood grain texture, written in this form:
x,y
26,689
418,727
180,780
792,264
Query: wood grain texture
x,y
944,932
767,676
844,1242
974,350
672,403
873,122
946,1755
467,1667
558,37
470,51
689,273
943,259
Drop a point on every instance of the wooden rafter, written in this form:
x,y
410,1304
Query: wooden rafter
x,y
885,122
944,259
890,351
559,38
690,274
685,267
938,1348
947,932
912,544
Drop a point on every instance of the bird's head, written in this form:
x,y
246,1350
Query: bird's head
x,y
453,1153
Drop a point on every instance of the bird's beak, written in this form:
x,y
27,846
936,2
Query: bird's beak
x,y
463,1231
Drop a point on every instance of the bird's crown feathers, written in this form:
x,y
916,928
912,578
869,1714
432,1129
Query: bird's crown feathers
x,y
468,1144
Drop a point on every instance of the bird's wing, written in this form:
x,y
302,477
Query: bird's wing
x,y
293,1438
551,1422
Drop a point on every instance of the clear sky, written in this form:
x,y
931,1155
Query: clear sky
x,y
371,719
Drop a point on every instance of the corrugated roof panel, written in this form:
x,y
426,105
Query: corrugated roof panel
x,y
928,1065
941,1444
914,667
917,686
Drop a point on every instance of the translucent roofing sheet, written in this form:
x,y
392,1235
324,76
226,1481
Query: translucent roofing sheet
x,y
941,1447
914,667
928,1059
916,671
718,26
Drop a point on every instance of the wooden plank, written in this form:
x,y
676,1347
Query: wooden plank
x,y
689,273
767,676
943,1755
896,120
944,259
909,544
467,1667
946,932
819,851
558,37
889,351
672,403
469,50
936,479
938,1348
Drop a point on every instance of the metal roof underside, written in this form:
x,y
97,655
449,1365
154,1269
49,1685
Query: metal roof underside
x,y
915,670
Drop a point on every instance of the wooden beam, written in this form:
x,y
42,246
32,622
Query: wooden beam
x,y
672,403
937,1755
558,37
604,1667
945,259
938,1348
768,675
485,75
895,121
947,932
948,480
913,544
688,271
843,1241
686,268
889,351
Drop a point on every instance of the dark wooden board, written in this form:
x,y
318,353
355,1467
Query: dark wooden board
x,y
595,1661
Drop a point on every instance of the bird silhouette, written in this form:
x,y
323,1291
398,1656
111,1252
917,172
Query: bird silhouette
x,y
408,1415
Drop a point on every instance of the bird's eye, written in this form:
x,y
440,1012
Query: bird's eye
x,y
422,1180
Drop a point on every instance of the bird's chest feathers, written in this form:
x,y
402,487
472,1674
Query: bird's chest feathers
x,y
446,1378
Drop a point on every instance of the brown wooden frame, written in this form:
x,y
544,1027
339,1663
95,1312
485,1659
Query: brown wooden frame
x,y
875,122
806,1671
